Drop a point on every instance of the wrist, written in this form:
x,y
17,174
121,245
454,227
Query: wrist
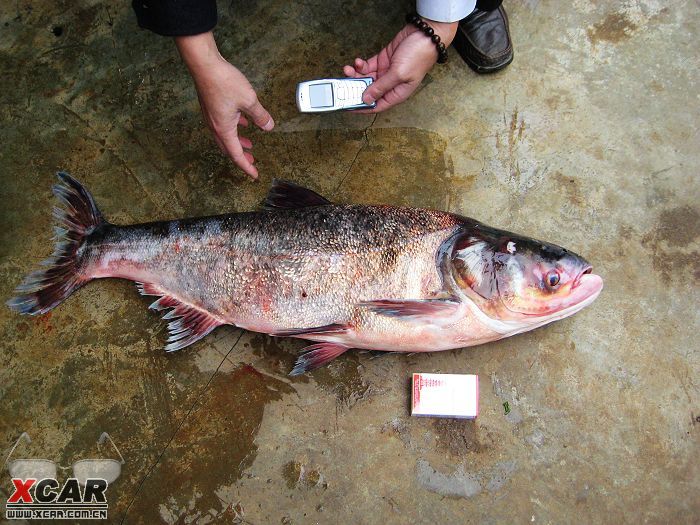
x,y
440,34
446,30
198,52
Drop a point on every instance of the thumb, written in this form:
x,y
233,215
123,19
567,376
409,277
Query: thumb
x,y
260,116
376,89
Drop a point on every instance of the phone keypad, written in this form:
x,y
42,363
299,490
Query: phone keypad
x,y
349,93
355,92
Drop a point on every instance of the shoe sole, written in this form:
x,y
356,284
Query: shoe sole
x,y
485,70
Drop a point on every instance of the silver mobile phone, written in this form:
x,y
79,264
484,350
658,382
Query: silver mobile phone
x,y
332,94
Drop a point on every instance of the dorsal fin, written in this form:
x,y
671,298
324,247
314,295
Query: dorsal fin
x,y
287,195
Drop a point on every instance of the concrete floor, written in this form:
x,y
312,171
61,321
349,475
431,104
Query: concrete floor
x,y
589,139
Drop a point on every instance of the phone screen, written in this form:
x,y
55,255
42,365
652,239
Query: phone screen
x,y
321,95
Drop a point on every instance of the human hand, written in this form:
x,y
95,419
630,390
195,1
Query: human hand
x,y
399,68
226,98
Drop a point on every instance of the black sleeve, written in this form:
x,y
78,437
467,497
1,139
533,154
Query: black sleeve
x,y
176,17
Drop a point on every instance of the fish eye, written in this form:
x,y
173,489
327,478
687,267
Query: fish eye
x,y
552,279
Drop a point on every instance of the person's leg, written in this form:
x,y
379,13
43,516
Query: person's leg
x,y
483,38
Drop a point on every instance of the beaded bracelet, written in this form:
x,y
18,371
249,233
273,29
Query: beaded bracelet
x,y
413,18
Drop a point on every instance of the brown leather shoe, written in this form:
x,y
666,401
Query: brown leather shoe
x,y
483,40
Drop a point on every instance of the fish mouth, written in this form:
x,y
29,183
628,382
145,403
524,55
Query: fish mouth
x,y
586,286
585,289
587,270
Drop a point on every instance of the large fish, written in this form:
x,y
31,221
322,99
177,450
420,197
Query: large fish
x,y
344,276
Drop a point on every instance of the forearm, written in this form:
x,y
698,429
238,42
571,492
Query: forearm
x,y
198,52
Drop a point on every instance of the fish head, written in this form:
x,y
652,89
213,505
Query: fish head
x,y
519,280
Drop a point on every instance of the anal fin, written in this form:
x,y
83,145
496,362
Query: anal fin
x,y
316,356
189,324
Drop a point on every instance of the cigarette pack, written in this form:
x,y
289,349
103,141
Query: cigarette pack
x,y
445,395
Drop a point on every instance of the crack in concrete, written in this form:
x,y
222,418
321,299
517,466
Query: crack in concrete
x,y
362,147
84,122
110,23
124,165
177,430
111,149
58,48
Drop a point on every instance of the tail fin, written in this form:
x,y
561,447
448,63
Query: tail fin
x,y
42,290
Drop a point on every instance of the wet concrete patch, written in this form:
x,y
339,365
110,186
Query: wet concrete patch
x,y
674,242
614,28
460,437
679,226
212,447
344,380
400,166
300,475
463,484
457,484
274,351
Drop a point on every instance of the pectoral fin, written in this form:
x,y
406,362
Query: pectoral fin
x,y
414,309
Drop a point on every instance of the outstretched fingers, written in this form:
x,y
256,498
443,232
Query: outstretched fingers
x,y
233,146
259,115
